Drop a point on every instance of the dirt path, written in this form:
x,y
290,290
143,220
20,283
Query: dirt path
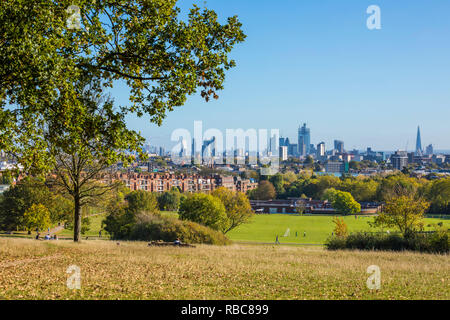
x,y
56,229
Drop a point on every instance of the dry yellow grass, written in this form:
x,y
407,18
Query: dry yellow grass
x,y
37,270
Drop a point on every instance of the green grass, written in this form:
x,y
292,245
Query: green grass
x,y
173,214
265,228
96,226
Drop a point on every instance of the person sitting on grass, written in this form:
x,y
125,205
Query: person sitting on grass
x,y
47,237
177,242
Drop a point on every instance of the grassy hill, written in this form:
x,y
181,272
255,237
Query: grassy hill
x,y
33,269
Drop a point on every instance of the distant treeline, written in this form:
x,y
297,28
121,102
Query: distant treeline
x,y
363,189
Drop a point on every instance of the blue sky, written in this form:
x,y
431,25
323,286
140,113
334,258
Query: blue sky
x,y
315,61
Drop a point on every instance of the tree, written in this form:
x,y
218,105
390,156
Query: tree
x,y
397,185
237,206
142,44
142,201
6,177
340,227
48,120
125,208
300,207
205,209
278,183
404,212
438,194
86,150
309,161
119,220
37,216
363,190
265,191
169,200
342,201
21,197
330,195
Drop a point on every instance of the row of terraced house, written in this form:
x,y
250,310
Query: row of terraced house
x,y
156,182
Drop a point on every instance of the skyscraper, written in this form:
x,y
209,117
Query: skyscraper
x,y
304,140
273,145
339,146
320,151
399,160
419,150
430,150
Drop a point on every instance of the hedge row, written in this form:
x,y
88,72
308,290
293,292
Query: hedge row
x,y
438,242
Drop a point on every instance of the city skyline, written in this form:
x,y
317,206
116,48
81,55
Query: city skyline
x,y
321,65
315,140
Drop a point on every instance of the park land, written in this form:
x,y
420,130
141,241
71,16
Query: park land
x,y
37,270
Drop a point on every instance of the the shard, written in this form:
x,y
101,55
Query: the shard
x,y
419,151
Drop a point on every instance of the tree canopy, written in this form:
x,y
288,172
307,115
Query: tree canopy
x,y
44,64
206,210
403,212
237,207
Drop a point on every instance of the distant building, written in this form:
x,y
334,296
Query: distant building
x,y
399,160
283,153
438,159
335,167
321,151
293,150
273,145
312,149
310,206
429,150
374,156
156,182
304,140
339,146
419,150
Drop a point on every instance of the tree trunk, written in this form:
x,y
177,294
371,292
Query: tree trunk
x,y
77,219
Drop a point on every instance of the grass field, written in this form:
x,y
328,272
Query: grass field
x,y
262,228
37,270
95,227
265,228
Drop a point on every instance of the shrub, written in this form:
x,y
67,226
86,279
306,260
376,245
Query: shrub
x,y
152,228
340,227
437,242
